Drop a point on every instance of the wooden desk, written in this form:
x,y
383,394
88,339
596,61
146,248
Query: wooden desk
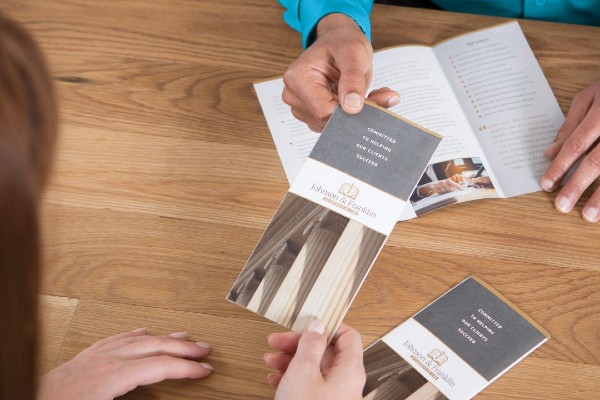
x,y
166,176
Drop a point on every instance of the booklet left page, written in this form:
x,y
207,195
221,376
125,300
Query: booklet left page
x,y
293,140
331,225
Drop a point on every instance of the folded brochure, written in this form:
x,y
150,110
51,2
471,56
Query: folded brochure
x,y
453,348
332,223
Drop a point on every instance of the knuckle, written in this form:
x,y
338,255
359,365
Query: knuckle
x,y
593,162
315,128
298,115
153,341
579,95
354,75
360,48
166,362
290,76
557,172
574,188
322,115
314,342
110,368
287,97
564,130
591,125
576,145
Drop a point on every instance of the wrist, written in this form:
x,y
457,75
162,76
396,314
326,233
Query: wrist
x,y
335,21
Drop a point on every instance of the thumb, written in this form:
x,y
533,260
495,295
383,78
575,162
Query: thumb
x,y
311,348
355,75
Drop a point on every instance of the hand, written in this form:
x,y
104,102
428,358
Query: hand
x,y
120,363
336,68
578,135
309,369
458,178
434,188
481,182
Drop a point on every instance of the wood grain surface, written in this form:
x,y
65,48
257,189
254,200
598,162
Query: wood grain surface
x,y
166,176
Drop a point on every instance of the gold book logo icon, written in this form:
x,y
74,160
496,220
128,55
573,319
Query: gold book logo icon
x,y
349,190
438,356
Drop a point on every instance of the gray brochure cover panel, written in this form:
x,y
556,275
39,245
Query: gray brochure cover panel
x,y
482,329
377,147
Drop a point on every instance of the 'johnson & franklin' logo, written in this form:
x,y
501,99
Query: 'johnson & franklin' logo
x,y
349,190
438,356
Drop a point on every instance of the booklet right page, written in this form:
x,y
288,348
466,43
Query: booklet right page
x,y
507,101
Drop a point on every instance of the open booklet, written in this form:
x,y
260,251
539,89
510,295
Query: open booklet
x,y
484,92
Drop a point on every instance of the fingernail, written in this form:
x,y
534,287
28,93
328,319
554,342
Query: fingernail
x,y
270,377
203,345
547,185
394,101
563,204
590,214
136,330
316,326
353,101
207,366
178,335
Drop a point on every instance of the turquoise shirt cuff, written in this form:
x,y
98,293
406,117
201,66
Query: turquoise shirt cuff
x,y
304,15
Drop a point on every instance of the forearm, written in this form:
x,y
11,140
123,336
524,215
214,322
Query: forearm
x,y
304,15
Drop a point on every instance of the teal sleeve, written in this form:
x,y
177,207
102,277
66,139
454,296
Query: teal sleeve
x,y
304,15
586,12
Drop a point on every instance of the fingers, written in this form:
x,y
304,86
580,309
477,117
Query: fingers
x,y
279,361
348,367
150,346
117,340
591,210
586,173
311,347
150,370
337,68
456,178
274,378
446,186
308,92
573,148
579,109
348,347
384,97
286,341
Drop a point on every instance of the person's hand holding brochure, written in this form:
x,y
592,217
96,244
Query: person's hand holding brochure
x,y
336,68
307,368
